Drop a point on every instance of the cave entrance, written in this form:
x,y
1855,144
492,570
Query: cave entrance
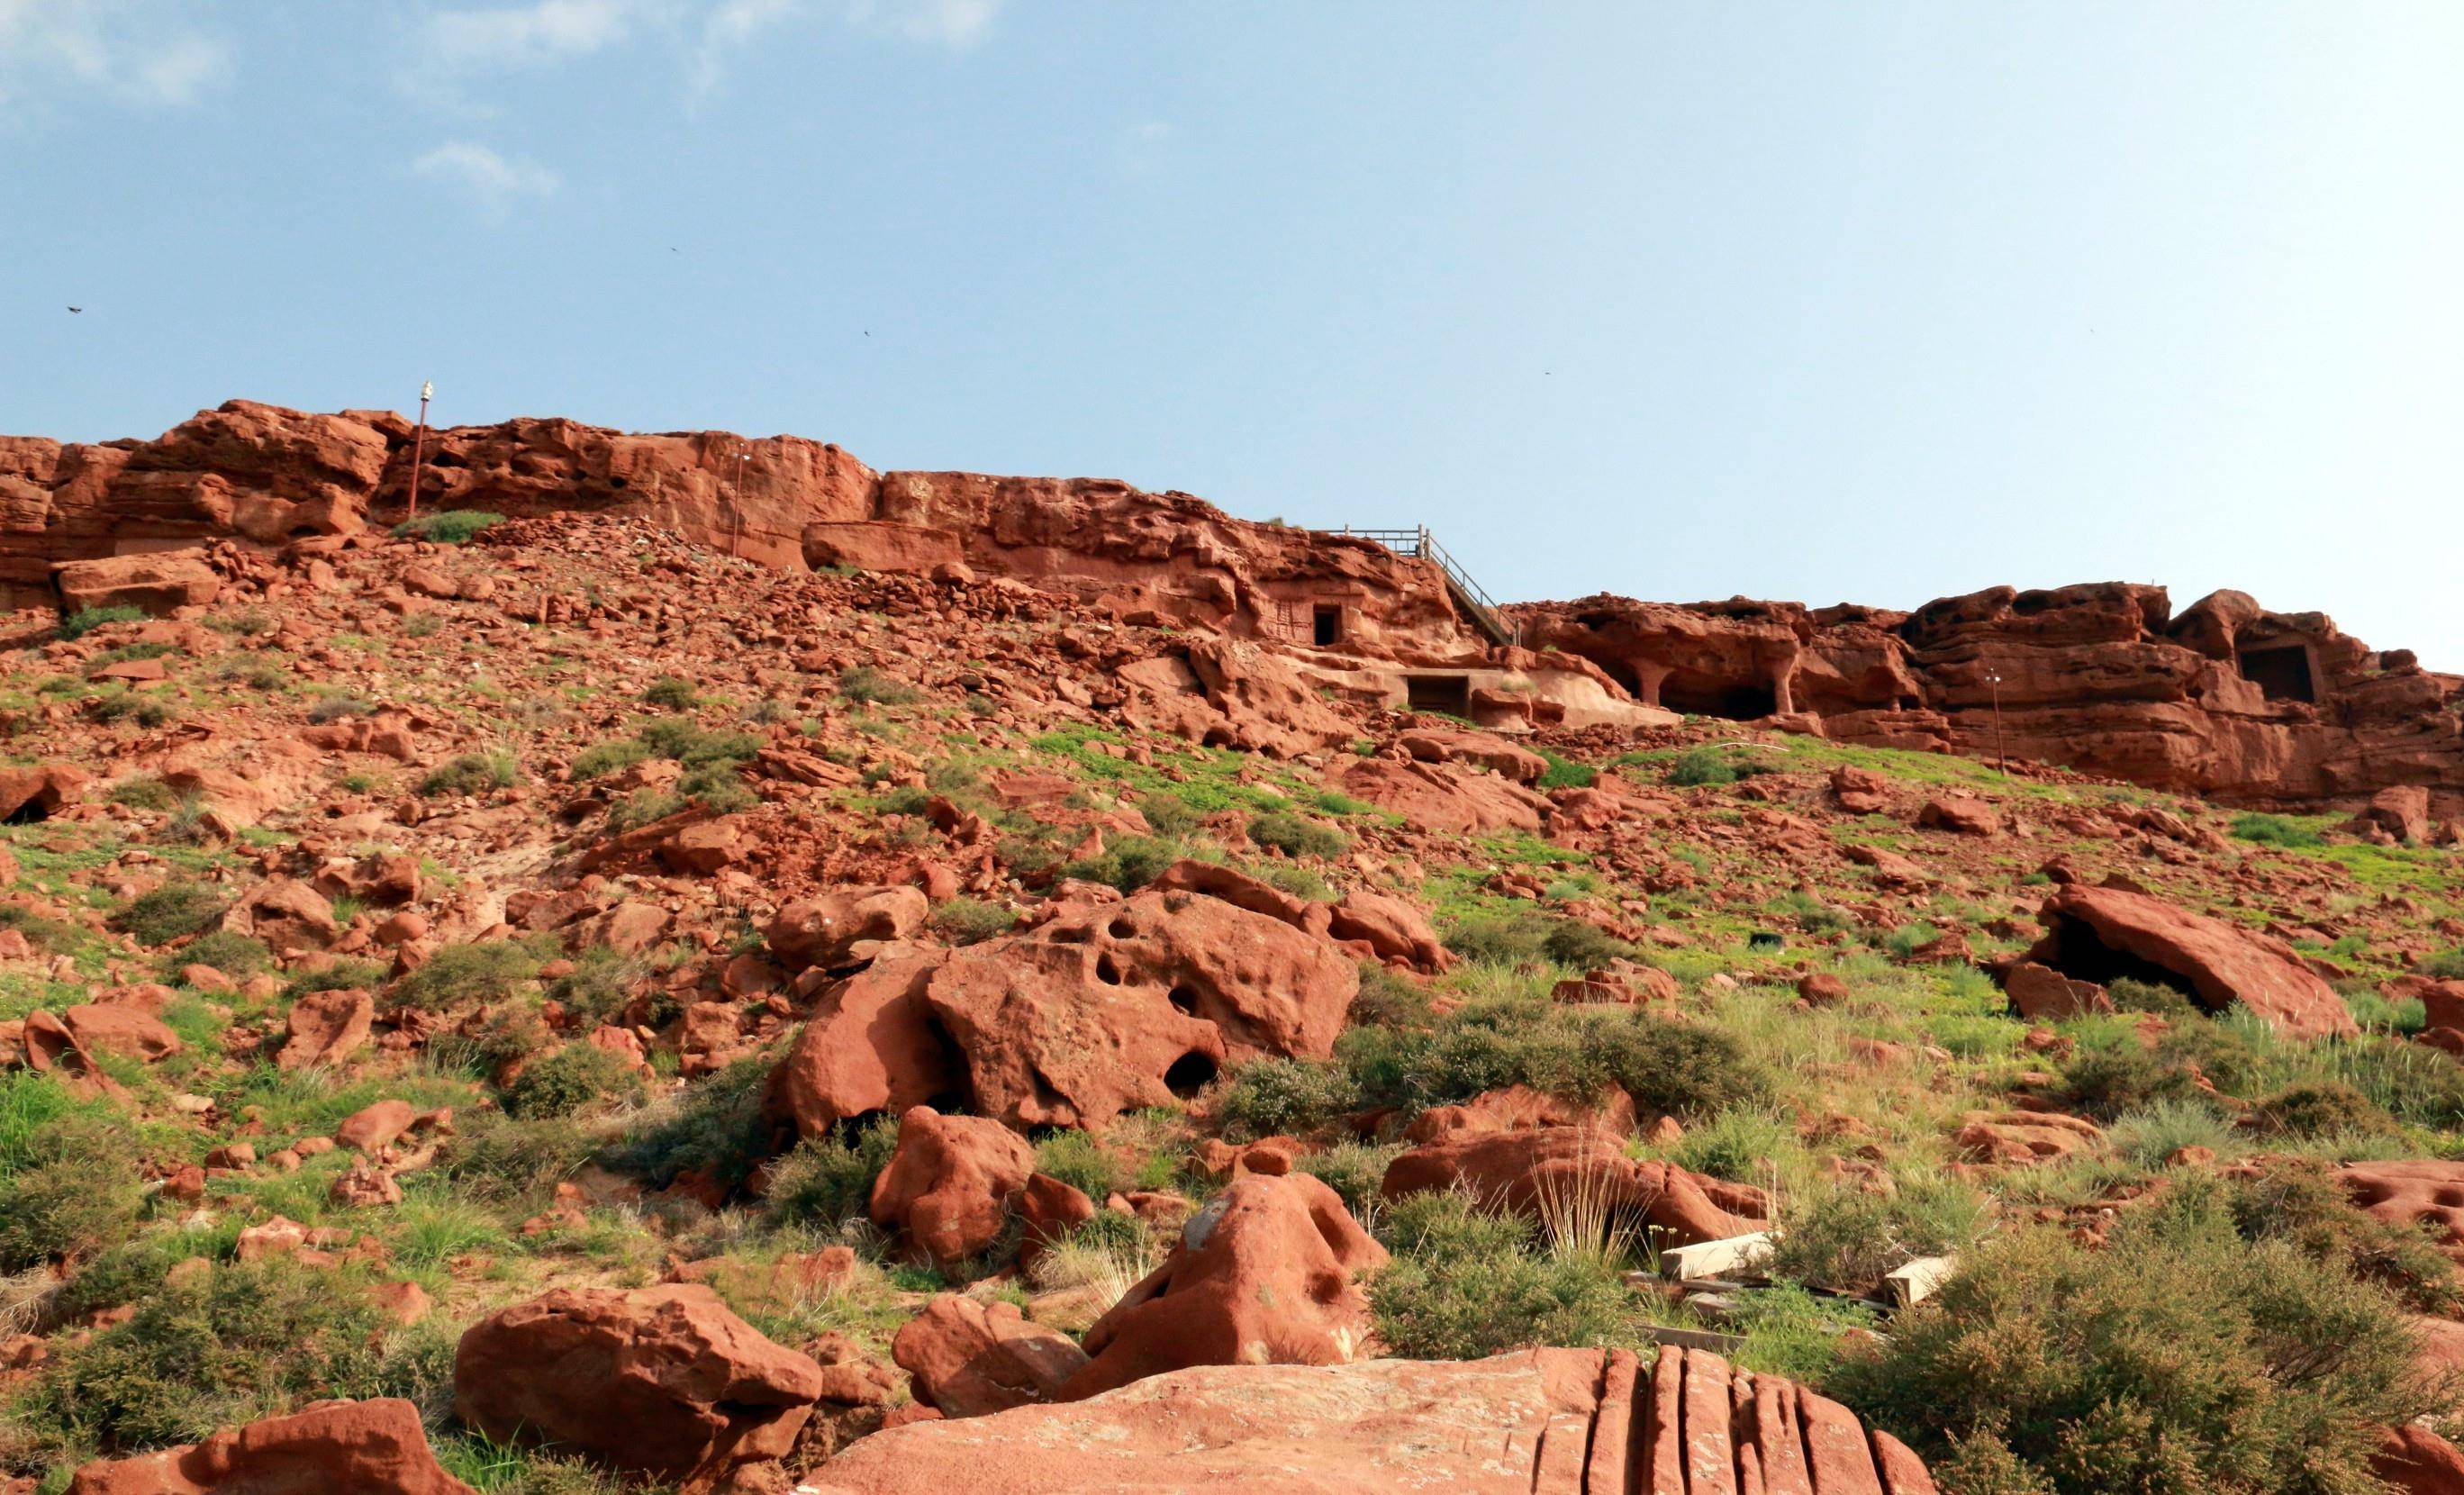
x,y
2282,673
1448,693
1733,701
2076,949
1325,626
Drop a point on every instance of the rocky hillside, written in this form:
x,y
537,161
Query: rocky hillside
x,y
542,1004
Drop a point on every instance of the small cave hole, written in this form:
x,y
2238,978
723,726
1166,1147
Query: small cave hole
x,y
28,813
1122,927
1188,1074
1184,1001
1107,970
2080,954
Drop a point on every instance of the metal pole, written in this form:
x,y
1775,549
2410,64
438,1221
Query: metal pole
x,y
418,450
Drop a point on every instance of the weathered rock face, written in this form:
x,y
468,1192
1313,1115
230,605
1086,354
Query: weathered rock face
x,y
2097,934
1532,1423
266,475
1539,1171
2423,1194
1265,1274
968,1359
368,1447
951,1183
1135,1003
2226,700
660,1380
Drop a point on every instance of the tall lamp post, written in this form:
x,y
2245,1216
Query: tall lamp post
x,y
419,449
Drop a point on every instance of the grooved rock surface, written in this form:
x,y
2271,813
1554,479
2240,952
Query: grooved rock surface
x,y
1531,1422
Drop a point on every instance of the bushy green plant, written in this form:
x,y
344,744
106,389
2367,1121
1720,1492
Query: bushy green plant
x,y
1272,1096
828,1182
227,951
2446,965
695,745
1848,1238
1512,937
85,620
2182,1358
1297,835
2276,830
1564,773
571,1080
606,758
969,921
1080,1161
167,912
1673,1068
473,773
600,985
1702,765
448,526
1585,947
144,792
69,1190
2326,1109
866,686
249,1340
1463,1284
484,973
670,693
1128,864
715,1128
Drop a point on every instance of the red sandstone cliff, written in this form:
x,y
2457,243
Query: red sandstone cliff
x,y
2226,699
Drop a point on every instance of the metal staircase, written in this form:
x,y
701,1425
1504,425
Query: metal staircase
x,y
1468,596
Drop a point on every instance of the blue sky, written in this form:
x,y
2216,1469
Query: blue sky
x,y
1870,303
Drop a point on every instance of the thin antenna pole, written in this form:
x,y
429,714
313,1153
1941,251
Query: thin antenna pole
x,y
419,450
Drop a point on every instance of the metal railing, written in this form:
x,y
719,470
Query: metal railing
x,y
1418,544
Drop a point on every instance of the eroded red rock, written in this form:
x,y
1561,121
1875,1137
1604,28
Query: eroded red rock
x,y
375,1448
1539,1171
2100,933
950,1185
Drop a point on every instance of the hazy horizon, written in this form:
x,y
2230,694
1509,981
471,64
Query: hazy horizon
x,y
1873,304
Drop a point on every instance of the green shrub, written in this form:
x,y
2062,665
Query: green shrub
x,y
145,707
1272,1096
227,951
1171,816
1079,1161
2182,1358
2300,1202
1128,864
570,1080
671,694
694,746
2275,830
498,1159
2129,994
1585,947
340,975
169,911
600,985
968,921
1513,937
68,1192
482,974
606,758
144,792
1702,765
2448,965
247,1341
333,705
1564,773
58,936
1465,1284
473,773
866,686
1849,1238
1355,1171
2327,1108
1672,1068
714,1129
450,526
85,620
828,1182
1297,835
1736,1144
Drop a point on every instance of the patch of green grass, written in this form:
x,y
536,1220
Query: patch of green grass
x,y
448,527
473,773
85,620
2277,830
1564,773
169,912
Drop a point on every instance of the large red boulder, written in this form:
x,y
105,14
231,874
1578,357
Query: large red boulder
x,y
155,583
827,931
2101,934
1578,1171
664,1381
1108,1009
950,1185
37,791
2415,1461
1441,797
364,1447
1267,1273
968,1358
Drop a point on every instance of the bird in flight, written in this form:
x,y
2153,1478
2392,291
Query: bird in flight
x,y
75,309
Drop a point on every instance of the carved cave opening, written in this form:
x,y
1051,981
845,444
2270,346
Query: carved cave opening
x,y
2282,673
1703,696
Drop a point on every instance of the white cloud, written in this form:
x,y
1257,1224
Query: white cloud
x,y
453,46
492,181
134,50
